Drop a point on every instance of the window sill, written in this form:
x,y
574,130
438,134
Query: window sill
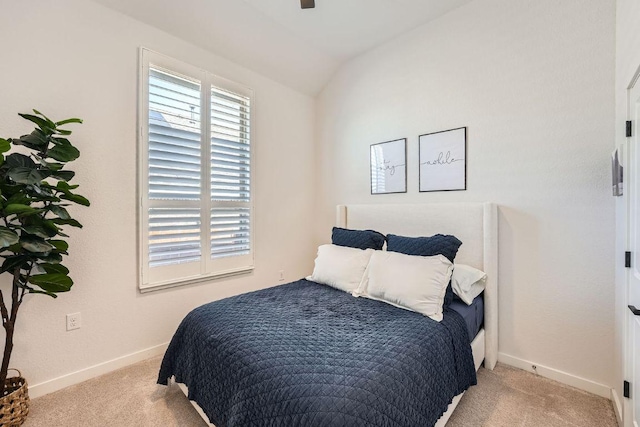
x,y
145,288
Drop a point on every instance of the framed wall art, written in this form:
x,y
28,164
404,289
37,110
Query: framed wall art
x,y
389,167
443,160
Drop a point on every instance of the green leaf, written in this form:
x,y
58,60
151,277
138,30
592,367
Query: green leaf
x,y
27,176
63,186
35,244
63,132
64,175
44,124
71,222
76,198
16,248
72,120
52,165
54,268
54,282
37,230
37,269
64,153
49,165
43,116
7,237
43,192
60,245
36,140
51,258
60,211
18,209
60,141
17,160
51,226
5,145
18,198
12,262
35,291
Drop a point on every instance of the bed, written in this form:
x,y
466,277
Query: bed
x,y
345,361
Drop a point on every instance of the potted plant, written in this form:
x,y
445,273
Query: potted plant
x,y
34,193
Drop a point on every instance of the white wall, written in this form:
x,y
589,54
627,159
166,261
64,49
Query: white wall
x,y
531,79
627,62
533,82
76,58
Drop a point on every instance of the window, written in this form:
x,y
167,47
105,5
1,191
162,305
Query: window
x,y
196,216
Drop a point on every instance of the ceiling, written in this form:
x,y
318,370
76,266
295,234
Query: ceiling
x,y
299,48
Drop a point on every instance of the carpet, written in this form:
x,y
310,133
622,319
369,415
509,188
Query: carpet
x,y
130,397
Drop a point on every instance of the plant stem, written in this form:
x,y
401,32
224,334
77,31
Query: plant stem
x,y
3,309
8,347
9,327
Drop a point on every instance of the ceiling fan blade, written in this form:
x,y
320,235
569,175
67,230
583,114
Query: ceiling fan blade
x,y
307,4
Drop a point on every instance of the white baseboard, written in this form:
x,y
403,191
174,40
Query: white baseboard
x,y
63,381
556,375
617,405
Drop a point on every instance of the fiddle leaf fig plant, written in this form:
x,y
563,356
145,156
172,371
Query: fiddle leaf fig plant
x,y
35,191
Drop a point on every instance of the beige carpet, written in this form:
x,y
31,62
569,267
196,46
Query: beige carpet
x,y
509,397
130,397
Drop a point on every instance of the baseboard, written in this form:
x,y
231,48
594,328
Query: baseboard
x,y
617,405
63,381
556,375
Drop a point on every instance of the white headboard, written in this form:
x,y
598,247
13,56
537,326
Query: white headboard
x,y
475,224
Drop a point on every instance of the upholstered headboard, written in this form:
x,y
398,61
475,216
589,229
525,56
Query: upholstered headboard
x,y
475,224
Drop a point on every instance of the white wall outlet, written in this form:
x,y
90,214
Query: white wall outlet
x,y
281,275
73,321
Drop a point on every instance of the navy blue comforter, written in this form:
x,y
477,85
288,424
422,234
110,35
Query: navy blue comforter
x,y
304,354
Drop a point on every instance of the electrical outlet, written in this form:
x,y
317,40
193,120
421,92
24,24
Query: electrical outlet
x,y
281,277
73,321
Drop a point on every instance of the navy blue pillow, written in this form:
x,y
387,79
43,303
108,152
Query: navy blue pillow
x,y
440,244
360,239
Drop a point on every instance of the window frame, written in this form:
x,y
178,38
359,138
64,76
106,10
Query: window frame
x,y
208,269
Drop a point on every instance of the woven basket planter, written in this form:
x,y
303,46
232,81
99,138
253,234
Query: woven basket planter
x,y
14,405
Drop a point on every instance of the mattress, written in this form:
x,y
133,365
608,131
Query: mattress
x,y
473,314
309,355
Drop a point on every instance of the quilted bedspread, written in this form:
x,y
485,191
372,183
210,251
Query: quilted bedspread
x,y
305,354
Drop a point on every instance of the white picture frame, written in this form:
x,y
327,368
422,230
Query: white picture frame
x,y
388,166
443,160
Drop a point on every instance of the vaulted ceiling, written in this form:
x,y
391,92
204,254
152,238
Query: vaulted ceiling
x,y
299,48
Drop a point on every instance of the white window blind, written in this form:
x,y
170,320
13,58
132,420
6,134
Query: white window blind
x,y
195,170
230,174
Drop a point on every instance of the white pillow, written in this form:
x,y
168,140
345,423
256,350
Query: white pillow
x,y
468,282
414,283
340,267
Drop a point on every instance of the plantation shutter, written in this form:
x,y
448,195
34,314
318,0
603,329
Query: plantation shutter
x,y
195,175
230,174
174,169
